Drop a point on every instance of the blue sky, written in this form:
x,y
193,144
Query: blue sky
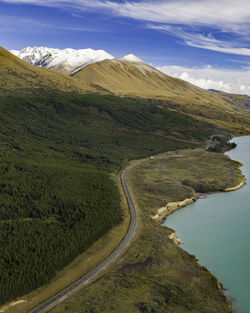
x,y
202,41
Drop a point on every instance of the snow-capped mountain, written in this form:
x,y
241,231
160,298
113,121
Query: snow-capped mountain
x,y
67,60
131,58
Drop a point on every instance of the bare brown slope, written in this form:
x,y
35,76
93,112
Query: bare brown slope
x,y
242,101
136,79
139,79
19,77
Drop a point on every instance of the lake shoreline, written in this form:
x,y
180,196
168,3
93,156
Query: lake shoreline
x,y
212,170
171,207
228,292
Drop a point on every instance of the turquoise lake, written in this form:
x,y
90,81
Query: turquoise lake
x,y
216,230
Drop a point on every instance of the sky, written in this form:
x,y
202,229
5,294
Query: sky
x,y
206,42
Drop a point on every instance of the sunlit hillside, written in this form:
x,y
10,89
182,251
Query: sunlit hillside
x,y
22,78
138,79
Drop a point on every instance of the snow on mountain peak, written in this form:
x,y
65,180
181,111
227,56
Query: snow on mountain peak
x,y
132,58
66,60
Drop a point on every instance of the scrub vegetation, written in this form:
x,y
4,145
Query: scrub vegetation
x,y
175,176
155,275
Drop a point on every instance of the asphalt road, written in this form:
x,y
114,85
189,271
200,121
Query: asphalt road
x,y
86,278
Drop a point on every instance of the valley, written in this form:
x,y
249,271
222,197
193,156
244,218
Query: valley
x,y
64,140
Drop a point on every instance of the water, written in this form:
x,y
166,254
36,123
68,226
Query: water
x,y
217,231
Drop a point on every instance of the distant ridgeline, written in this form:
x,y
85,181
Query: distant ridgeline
x,y
56,192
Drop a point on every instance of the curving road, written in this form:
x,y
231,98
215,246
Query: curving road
x,y
125,242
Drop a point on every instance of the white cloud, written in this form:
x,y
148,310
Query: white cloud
x,y
226,14
202,41
208,77
188,12
185,19
221,48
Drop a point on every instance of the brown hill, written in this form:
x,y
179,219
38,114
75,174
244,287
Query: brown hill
x,y
138,79
133,78
125,78
19,77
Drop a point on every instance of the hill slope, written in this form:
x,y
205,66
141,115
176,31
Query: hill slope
x,y
137,79
128,76
56,192
19,77
242,101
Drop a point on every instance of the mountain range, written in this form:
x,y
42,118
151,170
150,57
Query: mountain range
x,y
89,70
66,61
65,135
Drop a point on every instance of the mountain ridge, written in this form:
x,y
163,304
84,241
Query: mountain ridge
x,y
139,79
61,60
128,77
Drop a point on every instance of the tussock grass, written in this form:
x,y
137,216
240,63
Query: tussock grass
x,y
176,176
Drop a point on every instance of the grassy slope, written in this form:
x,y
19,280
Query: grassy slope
x,y
19,77
141,80
240,100
123,78
156,275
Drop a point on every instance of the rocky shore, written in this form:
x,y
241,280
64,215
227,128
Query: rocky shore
x,y
170,207
163,212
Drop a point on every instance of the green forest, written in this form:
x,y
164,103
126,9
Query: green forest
x,y
57,154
